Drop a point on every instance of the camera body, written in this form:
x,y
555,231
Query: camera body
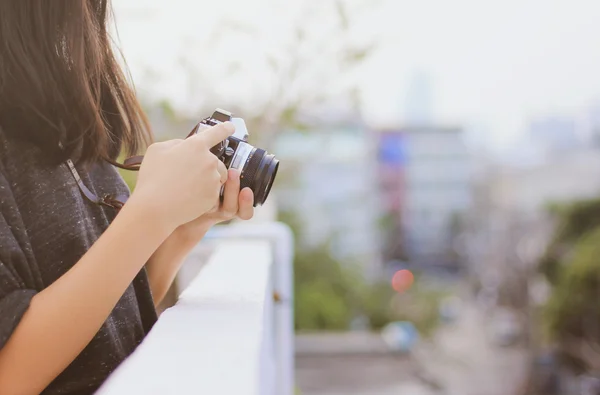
x,y
257,167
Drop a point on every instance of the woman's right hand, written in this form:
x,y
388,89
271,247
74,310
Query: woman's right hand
x,y
180,180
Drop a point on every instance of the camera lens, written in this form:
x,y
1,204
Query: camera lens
x,y
259,173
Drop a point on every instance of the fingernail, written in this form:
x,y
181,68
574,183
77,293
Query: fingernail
x,y
230,127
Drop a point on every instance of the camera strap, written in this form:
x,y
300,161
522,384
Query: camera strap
x,y
108,200
117,202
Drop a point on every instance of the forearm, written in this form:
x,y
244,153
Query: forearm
x,y
167,260
64,317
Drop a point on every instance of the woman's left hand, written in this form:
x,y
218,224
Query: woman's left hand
x,y
236,204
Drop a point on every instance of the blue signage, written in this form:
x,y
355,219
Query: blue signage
x,y
392,149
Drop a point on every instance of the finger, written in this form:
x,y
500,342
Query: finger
x,y
232,191
215,134
164,144
246,204
222,172
170,143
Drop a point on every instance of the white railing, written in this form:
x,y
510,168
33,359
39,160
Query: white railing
x,y
231,332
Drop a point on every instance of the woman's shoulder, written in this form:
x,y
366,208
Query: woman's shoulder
x,y
17,155
35,178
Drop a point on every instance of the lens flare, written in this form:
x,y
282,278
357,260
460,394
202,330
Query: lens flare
x,y
402,280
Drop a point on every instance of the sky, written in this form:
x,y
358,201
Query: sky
x,y
491,65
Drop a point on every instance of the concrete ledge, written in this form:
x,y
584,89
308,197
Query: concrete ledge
x,y
219,337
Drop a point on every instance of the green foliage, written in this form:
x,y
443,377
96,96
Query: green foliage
x,y
130,178
386,223
324,292
425,312
291,220
573,222
418,305
168,110
572,311
329,294
571,263
578,218
377,304
343,15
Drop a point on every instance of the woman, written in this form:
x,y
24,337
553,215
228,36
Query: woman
x,y
79,278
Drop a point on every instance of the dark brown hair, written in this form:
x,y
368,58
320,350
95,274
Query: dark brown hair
x,y
60,80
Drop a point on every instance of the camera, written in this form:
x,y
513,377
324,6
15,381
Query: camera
x,y
257,167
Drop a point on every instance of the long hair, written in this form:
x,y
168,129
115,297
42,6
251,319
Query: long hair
x,y
60,82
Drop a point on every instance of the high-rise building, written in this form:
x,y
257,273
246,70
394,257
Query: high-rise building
x,y
334,190
592,132
419,100
425,177
438,192
391,161
554,134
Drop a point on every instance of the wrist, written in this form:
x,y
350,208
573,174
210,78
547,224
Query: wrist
x,y
154,217
190,234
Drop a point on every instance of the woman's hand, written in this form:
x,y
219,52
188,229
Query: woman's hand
x,y
236,204
166,261
180,180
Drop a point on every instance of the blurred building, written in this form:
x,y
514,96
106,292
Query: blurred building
x,y
391,161
418,108
328,179
509,224
528,191
438,193
425,179
555,134
592,125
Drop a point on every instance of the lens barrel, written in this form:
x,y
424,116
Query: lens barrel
x,y
259,173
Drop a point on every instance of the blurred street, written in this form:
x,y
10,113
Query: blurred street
x,y
458,360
